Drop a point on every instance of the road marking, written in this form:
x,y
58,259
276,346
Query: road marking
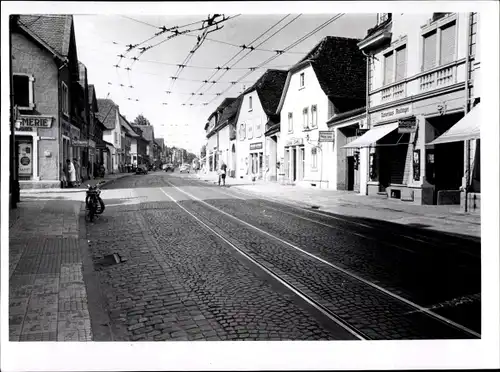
x,y
347,272
299,293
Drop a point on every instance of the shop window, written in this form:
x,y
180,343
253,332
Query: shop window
x,y
305,118
302,80
314,116
64,99
23,91
314,158
290,122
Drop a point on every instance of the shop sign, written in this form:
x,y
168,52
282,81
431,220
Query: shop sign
x,y
25,158
24,129
47,138
407,125
37,121
294,142
256,146
395,112
326,136
79,143
91,143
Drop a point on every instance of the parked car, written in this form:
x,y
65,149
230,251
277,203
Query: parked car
x,y
141,169
169,167
184,168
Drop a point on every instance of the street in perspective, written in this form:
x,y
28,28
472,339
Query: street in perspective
x,y
245,177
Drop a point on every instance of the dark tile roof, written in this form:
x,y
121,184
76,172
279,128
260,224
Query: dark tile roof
x,y
91,93
269,88
54,30
339,66
124,123
160,141
107,112
230,112
147,132
347,114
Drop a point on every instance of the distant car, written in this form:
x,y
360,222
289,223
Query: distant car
x,y
169,167
141,169
184,168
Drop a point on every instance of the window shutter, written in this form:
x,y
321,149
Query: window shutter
x,y
401,63
429,51
447,50
22,90
388,68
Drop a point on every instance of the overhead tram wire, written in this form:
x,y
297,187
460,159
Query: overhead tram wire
x,y
238,53
293,45
251,50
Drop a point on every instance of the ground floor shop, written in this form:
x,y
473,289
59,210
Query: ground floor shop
x,y
404,160
271,156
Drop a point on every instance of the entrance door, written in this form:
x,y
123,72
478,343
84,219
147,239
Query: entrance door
x,y
260,164
350,173
233,162
384,173
294,164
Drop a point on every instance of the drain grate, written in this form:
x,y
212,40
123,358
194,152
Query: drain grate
x,y
108,260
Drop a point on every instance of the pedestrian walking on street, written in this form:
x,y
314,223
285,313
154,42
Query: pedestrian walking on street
x,y
64,178
222,174
71,173
77,172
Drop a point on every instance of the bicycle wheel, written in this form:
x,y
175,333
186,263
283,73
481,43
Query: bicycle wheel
x,y
100,205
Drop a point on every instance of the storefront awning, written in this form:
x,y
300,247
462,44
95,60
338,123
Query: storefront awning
x,y
467,128
372,136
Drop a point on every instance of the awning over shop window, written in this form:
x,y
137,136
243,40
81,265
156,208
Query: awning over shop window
x,y
467,128
372,136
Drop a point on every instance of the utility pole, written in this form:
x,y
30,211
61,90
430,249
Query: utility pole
x,y
14,185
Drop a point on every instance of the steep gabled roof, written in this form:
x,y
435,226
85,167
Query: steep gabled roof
x,y
340,68
124,123
107,112
269,88
54,30
160,141
231,112
147,132
92,98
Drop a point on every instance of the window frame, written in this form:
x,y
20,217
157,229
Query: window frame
x,y
64,99
290,122
305,118
314,109
31,90
250,105
314,158
437,26
302,80
402,42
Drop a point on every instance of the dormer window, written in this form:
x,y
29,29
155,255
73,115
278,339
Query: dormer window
x,y
382,17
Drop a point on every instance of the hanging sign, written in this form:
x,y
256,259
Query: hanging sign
x,y
256,146
33,121
326,136
25,159
79,143
407,125
294,142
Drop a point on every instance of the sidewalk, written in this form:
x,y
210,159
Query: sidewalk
x,y
109,178
445,218
48,297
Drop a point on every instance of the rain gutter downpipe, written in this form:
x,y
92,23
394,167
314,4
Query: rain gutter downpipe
x,y
466,109
367,104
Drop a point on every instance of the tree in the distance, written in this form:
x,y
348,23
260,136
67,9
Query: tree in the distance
x,y
141,120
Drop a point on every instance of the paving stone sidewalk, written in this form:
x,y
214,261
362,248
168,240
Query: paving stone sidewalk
x,y
444,218
47,293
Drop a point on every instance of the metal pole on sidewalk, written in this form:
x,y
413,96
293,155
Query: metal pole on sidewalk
x,y
466,110
14,186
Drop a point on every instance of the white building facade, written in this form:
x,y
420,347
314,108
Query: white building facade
x,y
417,92
114,136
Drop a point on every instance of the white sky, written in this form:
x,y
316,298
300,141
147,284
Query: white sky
x,y
96,36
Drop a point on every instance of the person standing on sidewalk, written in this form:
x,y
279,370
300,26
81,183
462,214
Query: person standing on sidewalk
x,y
71,173
77,171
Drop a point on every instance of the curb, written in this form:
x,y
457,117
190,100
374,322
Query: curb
x,y
99,318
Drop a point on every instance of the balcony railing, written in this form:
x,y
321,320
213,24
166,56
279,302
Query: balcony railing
x,y
394,92
438,78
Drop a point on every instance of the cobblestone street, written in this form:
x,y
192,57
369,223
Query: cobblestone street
x,y
200,262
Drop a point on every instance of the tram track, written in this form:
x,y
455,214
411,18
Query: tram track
x,y
386,311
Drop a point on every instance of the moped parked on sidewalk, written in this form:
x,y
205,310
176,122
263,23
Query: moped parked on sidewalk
x,y
94,205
